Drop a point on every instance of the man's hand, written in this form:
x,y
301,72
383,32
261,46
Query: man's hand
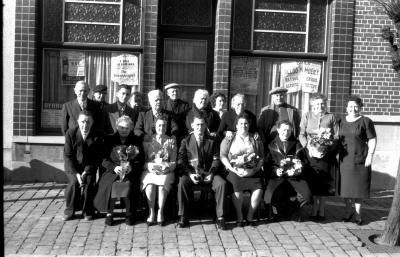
x,y
368,160
279,172
193,177
118,170
256,136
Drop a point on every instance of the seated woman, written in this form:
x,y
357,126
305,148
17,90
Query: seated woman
x,y
123,162
286,162
243,158
160,163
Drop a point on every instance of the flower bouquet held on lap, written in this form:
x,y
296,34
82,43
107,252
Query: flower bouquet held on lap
x,y
120,188
244,164
160,164
289,167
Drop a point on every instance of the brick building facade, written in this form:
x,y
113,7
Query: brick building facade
x,y
352,56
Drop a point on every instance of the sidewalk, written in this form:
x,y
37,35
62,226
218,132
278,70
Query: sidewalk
x,y
33,226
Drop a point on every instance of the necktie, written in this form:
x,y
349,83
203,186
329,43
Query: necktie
x,y
82,105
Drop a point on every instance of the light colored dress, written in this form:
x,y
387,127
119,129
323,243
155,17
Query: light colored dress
x,y
158,156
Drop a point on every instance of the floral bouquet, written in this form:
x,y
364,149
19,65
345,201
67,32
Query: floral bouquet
x,y
159,164
201,174
290,166
245,163
320,143
125,154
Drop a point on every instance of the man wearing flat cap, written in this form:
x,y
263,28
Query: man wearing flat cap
x,y
177,108
279,110
99,95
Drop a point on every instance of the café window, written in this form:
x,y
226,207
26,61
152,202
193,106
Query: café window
x,y
297,26
63,68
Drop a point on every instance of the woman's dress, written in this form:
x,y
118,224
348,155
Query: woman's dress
x,y
239,146
355,178
319,176
168,150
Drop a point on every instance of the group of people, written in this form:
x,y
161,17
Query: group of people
x,y
115,151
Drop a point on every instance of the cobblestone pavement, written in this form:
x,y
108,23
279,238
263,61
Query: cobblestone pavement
x,y
33,226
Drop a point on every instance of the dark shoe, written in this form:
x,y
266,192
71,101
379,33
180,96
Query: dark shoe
x,y
221,224
150,223
240,224
109,220
348,218
183,222
252,223
67,217
320,218
129,220
313,218
359,221
87,217
161,223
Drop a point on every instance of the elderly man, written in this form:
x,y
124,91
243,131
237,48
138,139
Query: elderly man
x,y
145,126
202,108
177,107
99,95
199,164
118,109
70,110
81,155
277,111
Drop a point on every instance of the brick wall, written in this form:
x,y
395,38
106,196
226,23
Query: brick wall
x,y
222,46
373,77
340,54
150,45
26,28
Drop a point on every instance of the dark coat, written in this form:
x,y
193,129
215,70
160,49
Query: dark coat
x,y
82,155
228,120
178,109
278,153
268,117
189,150
111,113
211,117
70,112
145,124
110,161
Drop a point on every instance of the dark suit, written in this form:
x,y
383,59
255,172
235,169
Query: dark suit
x,y
110,161
228,120
145,124
178,109
70,112
210,116
80,156
269,117
278,152
208,157
112,112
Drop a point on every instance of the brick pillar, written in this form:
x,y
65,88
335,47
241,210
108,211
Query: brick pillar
x,y
150,45
222,46
341,54
26,29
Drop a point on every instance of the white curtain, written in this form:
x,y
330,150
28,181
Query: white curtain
x,y
98,71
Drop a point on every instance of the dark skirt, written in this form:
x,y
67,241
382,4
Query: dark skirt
x,y
319,175
247,183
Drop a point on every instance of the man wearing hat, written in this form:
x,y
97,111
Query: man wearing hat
x,y
279,110
177,108
99,95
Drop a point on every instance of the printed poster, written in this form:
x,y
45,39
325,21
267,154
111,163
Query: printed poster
x,y
125,69
305,76
245,73
73,63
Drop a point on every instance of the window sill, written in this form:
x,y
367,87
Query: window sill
x,y
47,140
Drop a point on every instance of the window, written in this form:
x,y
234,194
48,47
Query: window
x,y
86,40
281,25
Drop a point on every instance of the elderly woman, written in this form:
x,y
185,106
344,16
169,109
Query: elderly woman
x,y
357,141
202,108
218,101
314,124
227,125
242,156
123,162
160,162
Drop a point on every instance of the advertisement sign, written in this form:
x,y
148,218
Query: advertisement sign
x,y
125,69
305,76
245,74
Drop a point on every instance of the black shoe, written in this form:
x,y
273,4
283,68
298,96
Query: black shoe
x,y
221,224
240,224
359,221
313,218
109,220
320,218
252,223
129,220
183,222
348,218
161,223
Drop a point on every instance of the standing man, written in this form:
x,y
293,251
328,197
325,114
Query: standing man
x,y
145,126
99,95
118,109
277,111
70,110
199,164
82,151
178,109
